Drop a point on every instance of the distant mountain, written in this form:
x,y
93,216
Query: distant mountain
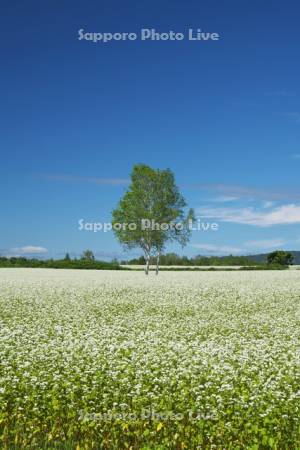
x,y
262,257
172,259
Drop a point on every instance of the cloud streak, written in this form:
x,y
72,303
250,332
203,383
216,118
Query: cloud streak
x,y
250,193
93,180
225,199
282,215
246,248
293,116
217,249
265,243
30,249
225,192
23,251
280,93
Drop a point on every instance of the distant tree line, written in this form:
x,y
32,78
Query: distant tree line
x,y
172,259
87,261
276,258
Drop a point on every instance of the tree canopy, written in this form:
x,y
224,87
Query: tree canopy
x,y
151,213
281,258
88,255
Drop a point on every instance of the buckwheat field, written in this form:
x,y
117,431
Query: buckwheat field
x,y
118,360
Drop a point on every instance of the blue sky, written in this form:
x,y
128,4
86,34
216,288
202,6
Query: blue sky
x,y
76,115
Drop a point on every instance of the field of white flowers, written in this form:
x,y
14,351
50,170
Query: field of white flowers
x,y
118,360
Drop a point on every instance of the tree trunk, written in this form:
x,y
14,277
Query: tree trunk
x,y
157,263
147,265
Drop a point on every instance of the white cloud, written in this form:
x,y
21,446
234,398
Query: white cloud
x,y
27,250
268,204
282,215
265,244
250,193
225,198
217,249
259,245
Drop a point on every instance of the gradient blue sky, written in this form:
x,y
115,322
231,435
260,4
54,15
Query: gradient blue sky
x,y
76,116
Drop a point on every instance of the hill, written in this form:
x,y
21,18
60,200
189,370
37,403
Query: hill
x,y
172,259
261,258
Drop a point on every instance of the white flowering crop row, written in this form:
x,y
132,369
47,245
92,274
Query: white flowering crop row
x,y
117,360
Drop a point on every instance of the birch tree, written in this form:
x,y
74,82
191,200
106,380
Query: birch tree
x,y
151,213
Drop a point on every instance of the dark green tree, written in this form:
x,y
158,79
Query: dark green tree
x,y
151,213
281,258
88,255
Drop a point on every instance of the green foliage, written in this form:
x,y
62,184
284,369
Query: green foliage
x,y
58,263
88,255
172,259
281,258
262,258
152,196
